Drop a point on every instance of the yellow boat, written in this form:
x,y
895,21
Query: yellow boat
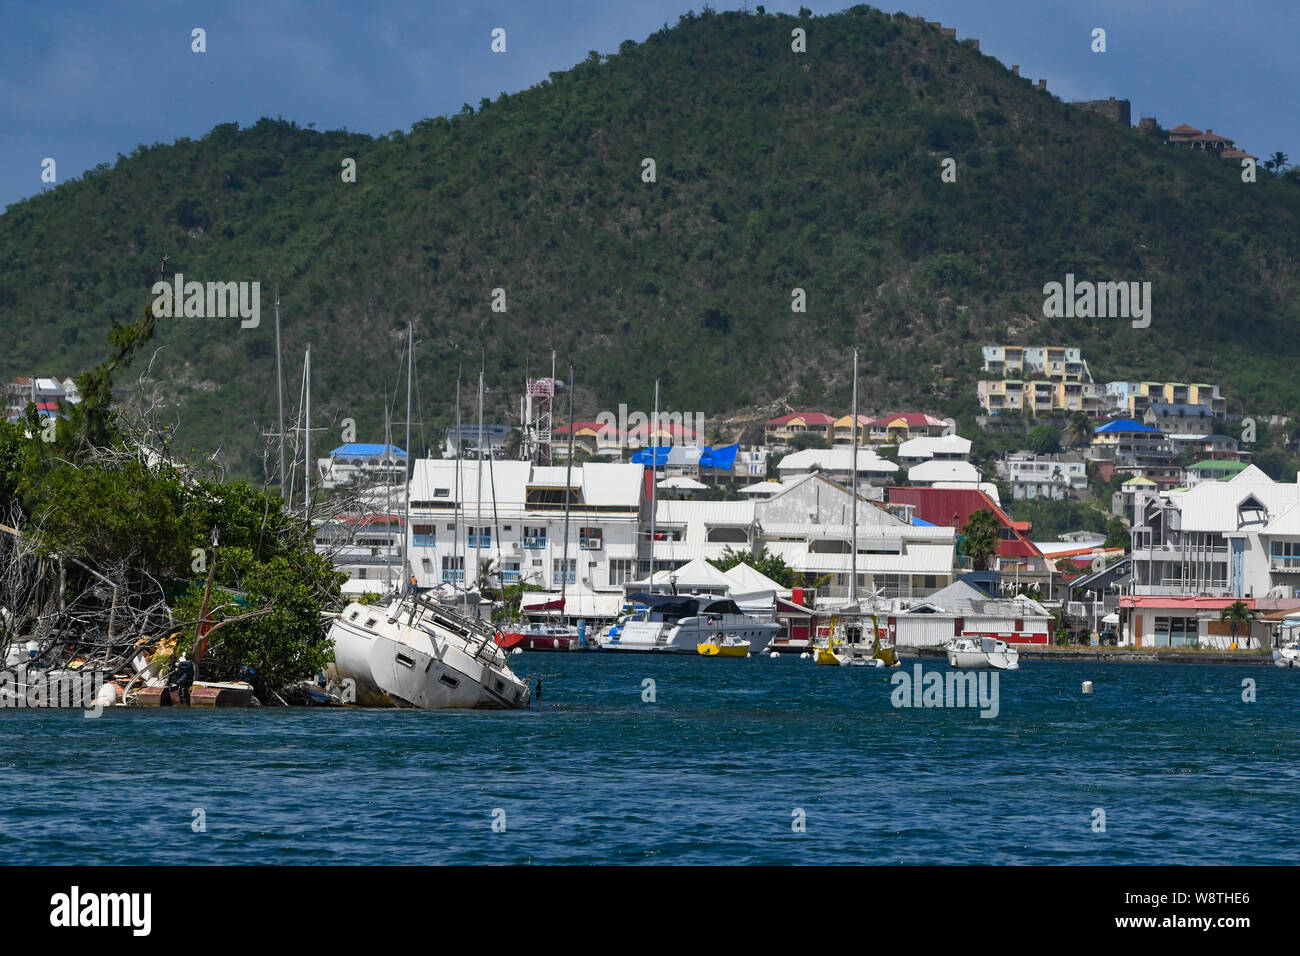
x,y
836,653
729,646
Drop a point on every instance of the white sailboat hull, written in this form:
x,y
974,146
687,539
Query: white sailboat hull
x,y
968,654
419,665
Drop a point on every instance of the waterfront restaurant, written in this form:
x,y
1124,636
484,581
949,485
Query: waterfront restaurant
x,y
1177,621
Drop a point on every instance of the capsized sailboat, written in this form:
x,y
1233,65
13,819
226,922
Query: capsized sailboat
x,y
417,653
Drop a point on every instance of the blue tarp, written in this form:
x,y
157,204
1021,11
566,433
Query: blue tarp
x,y
1125,425
922,523
644,456
722,459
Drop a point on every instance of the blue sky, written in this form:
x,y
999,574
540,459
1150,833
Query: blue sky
x,y
83,81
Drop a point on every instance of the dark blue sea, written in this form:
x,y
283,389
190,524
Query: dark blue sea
x,y
718,769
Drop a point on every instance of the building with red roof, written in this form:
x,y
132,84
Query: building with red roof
x,y
900,426
952,508
780,431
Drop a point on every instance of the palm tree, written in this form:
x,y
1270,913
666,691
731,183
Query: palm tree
x,y
981,534
1236,614
1277,163
1078,430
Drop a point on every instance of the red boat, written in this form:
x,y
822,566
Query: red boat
x,y
544,637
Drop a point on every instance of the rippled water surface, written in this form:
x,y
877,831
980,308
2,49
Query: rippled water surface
x,y
713,771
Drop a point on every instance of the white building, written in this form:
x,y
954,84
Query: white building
x,y
1044,476
1237,538
357,461
454,511
808,524
932,472
836,463
934,448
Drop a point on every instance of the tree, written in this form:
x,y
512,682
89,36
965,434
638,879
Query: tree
x,y
1117,536
1236,614
981,534
765,563
1043,440
1078,430
1277,163
513,444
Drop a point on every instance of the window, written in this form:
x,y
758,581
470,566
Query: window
x,y
453,569
510,573
1176,631
567,569
1286,554
478,537
620,570
730,535
441,492
423,535
590,539
534,537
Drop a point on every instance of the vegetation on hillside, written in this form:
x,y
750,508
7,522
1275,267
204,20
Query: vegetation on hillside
x,y
775,170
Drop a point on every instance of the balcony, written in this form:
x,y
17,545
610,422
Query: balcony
x,y
424,540
511,576
478,540
1285,564
535,544
451,576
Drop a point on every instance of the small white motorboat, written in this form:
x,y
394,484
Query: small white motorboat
x,y
1288,655
968,653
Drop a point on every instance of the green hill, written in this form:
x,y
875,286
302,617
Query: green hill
x,y
775,170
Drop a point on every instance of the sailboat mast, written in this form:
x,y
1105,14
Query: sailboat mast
x,y
654,483
279,390
458,552
306,437
568,497
478,481
853,548
388,497
406,472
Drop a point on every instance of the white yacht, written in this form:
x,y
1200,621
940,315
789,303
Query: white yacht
x,y
415,653
1288,655
982,652
677,624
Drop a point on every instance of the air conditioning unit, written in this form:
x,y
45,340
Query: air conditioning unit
x,y
515,546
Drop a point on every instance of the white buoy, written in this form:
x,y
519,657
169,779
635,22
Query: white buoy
x,y
1087,687
107,695
774,655
804,656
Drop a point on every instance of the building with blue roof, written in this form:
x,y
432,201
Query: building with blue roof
x,y
362,462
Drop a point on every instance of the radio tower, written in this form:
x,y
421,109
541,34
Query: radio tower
x,y
535,417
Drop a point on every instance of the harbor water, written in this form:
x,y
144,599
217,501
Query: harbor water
x,y
747,761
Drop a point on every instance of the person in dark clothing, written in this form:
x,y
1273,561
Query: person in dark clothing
x,y
183,679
